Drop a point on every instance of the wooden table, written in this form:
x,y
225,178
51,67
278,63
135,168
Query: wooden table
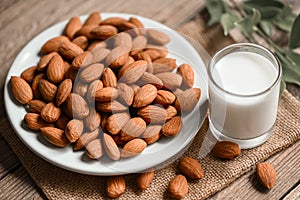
x,y
21,20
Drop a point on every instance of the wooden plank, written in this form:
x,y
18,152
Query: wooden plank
x,y
294,194
286,164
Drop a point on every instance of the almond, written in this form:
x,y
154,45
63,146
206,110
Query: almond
x,y
74,129
35,122
170,80
104,32
171,112
133,147
136,22
153,114
63,91
178,187
55,136
36,105
187,100
148,78
164,97
47,90
96,45
266,174
29,74
156,51
126,93
126,25
50,113
94,18
104,117
158,37
123,39
81,41
81,60
106,94
55,69
92,72
114,107
72,27
164,65
109,78
62,122
116,122
44,61
152,134
71,73
85,138
134,71
92,88
21,90
145,179
191,168
93,120
172,127
111,147
117,56
114,21
134,127
187,73
35,85
77,105
226,150
138,44
115,186
144,96
54,44
69,50
80,88
94,149
99,53
86,31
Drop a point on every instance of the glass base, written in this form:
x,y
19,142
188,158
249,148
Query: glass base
x,y
243,143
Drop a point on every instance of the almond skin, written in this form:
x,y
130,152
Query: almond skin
x,y
158,37
116,122
21,90
134,127
109,78
36,105
153,114
35,86
145,179
111,147
144,96
77,105
113,106
148,78
187,73
133,148
81,41
55,136
164,97
122,39
94,18
226,150
134,71
172,127
115,186
187,100
92,72
54,44
114,21
178,187
69,50
94,149
63,91
170,80
47,90
92,88
35,122
44,61
81,60
74,129
99,53
104,32
29,74
72,27
62,122
191,168
55,69
93,120
86,31
85,138
106,94
164,65
152,134
266,174
126,93
117,56
50,113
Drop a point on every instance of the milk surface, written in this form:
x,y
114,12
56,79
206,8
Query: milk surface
x,y
240,112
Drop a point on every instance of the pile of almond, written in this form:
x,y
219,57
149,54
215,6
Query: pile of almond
x,y
106,86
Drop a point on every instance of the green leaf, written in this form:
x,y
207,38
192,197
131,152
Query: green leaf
x,y
285,19
215,8
290,71
266,26
295,34
264,3
295,57
282,87
247,24
228,21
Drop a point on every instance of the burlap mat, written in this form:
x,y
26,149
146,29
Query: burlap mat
x,y
58,183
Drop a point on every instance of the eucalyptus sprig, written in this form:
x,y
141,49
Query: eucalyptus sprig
x,y
262,17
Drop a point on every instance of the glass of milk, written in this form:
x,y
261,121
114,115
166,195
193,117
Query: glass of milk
x,y
244,84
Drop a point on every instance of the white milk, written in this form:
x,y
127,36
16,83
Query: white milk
x,y
241,112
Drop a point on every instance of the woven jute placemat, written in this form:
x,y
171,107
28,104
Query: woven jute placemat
x,y
58,183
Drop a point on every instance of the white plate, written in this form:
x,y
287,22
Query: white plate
x,y
157,154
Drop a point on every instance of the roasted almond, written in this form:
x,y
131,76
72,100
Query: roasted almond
x,y
111,107
152,133
77,105
109,78
187,100
36,84
133,148
226,150
69,50
80,88
266,174
55,136
72,27
153,114
36,105
21,90
172,127
50,113
93,18
104,32
93,120
117,57
56,69
96,45
62,122
92,72
115,186
106,94
126,93
114,21
164,65
99,53
136,22
35,122
29,74
123,39
54,44
92,88
158,37
116,122
191,168
171,112
47,90
63,91
144,96
187,73
170,80
178,187
164,97
86,31
148,78
138,44
134,71
111,147
94,149
74,129
81,41
81,60
85,138
145,179
134,127
44,61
